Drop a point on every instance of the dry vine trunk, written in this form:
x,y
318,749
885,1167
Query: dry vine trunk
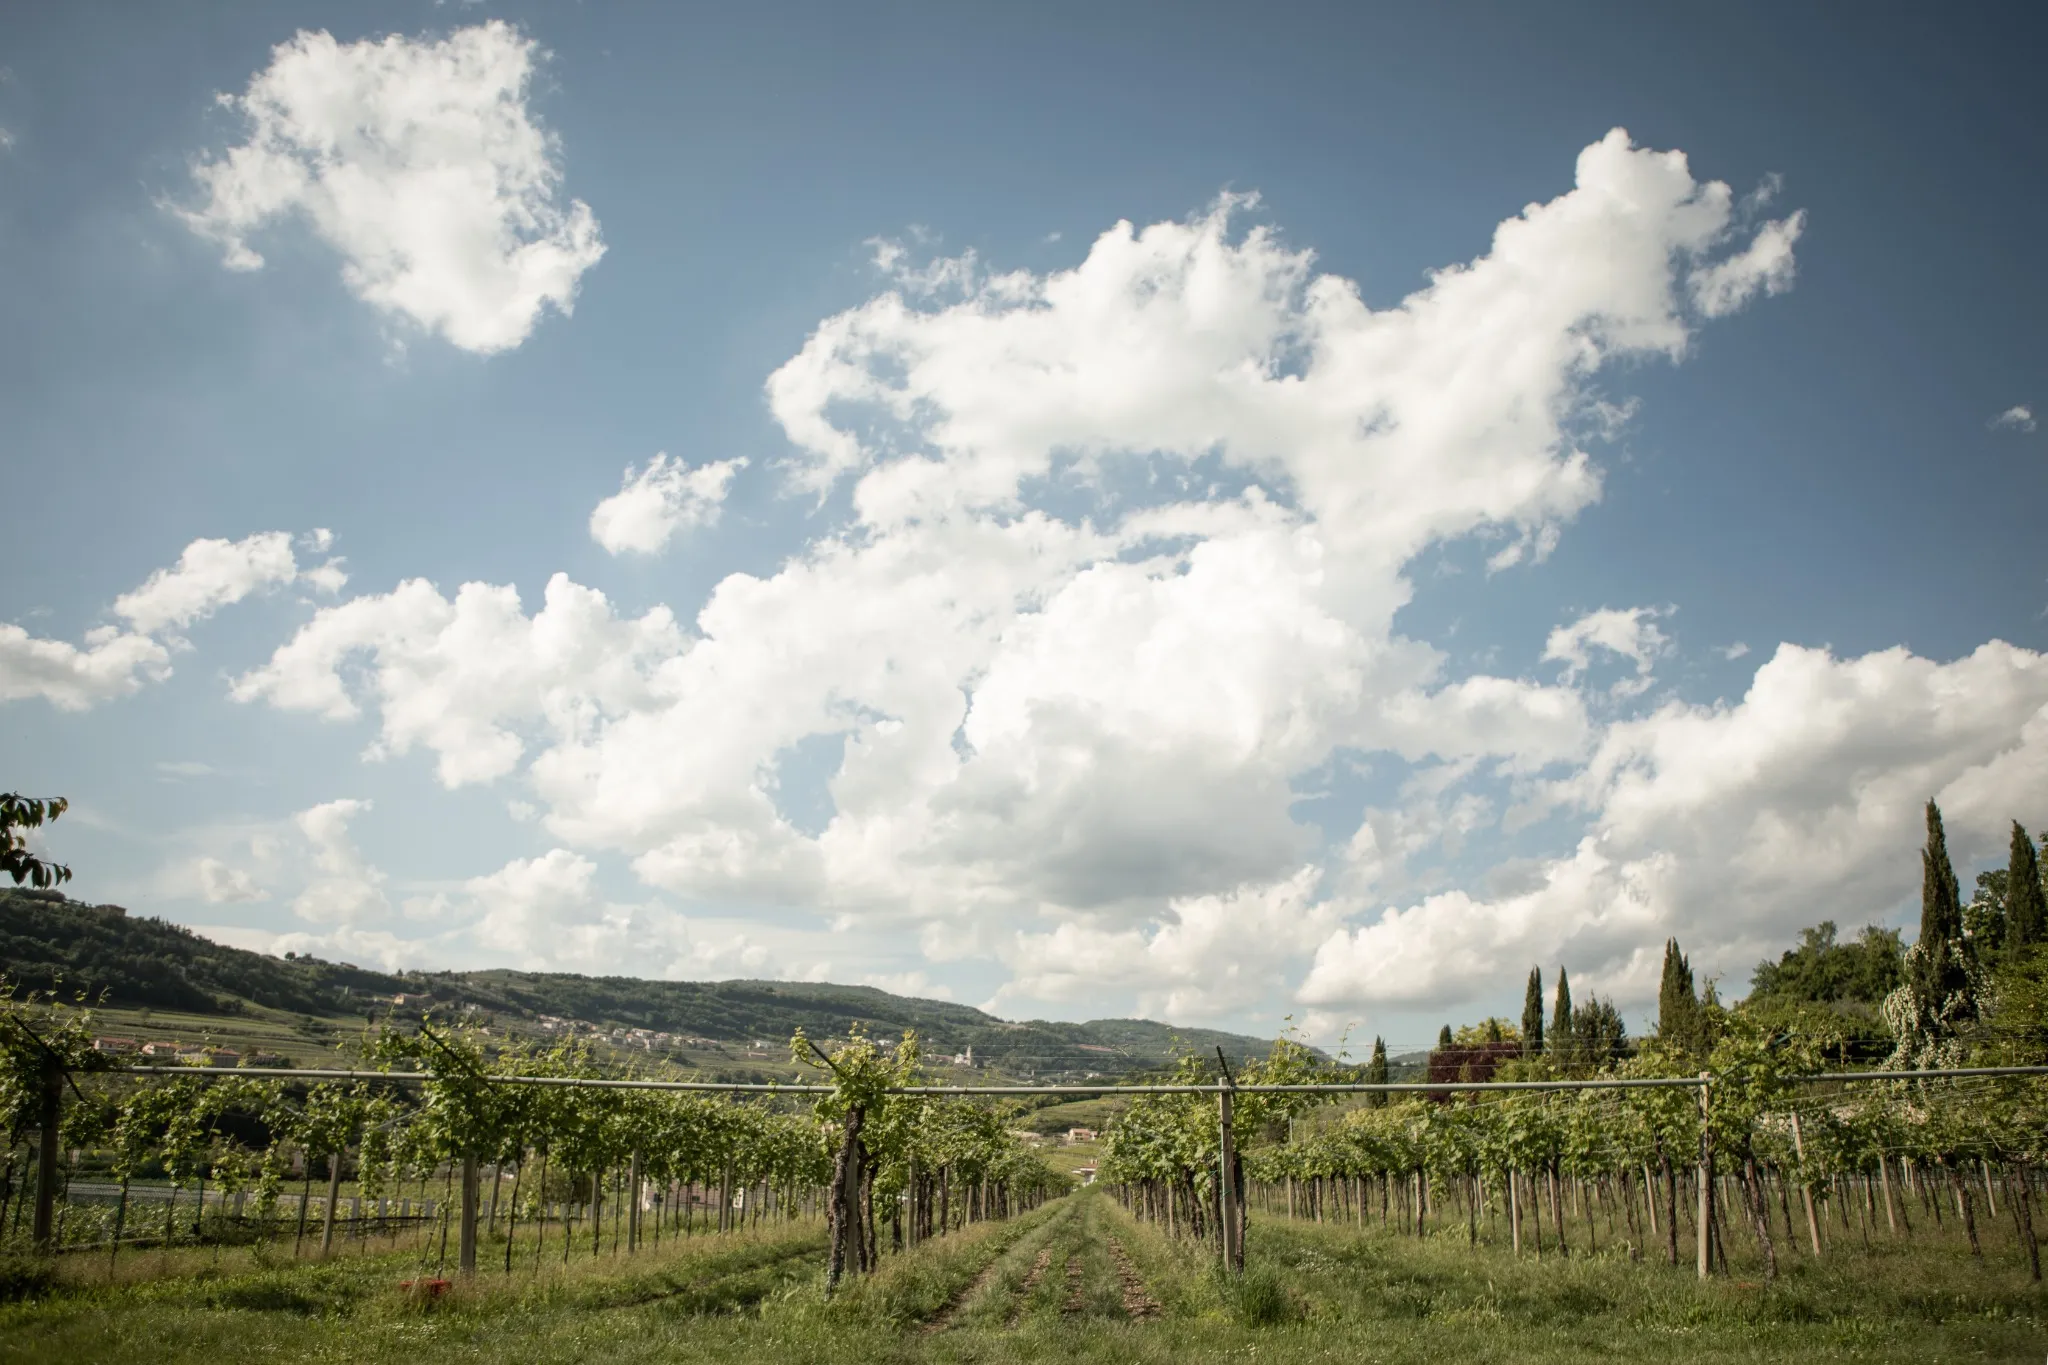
x,y
843,1212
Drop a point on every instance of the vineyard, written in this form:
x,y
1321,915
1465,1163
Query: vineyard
x,y
592,1161
517,1201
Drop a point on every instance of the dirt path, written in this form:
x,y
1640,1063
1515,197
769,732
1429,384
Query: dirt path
x,y
1077,1296
1031,1279
1137,1303
944,1318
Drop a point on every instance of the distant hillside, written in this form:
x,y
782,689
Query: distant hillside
x,y
50,942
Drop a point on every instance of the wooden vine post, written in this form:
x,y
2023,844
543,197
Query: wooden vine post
x,y
633,1206
333,1204
1706,1177
1806,1188
467,1259
50,1120
1231,1236
915,1193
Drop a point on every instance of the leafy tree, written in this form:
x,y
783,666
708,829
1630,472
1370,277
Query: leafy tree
x,y
1599,1037
1376,1074
2019,1027
1532,1011
18,815
1984,917
1491,1029
2026,907
1444,1038
1826,971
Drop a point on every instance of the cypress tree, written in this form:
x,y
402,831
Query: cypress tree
x,y
1532,1013
1561,1019
1376,1074
1678,1009
2026,908
1941,918
1444,1039
1941,896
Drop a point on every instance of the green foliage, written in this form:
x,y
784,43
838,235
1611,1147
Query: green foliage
x,y
1259,1297
1532,1011
18,815
1678,1009
1941,971
1487,1030
2026,904
1563,1044
1829,972
1599,1036
2018,1032
861,1073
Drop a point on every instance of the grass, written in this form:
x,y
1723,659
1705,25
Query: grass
x,y
1314,1293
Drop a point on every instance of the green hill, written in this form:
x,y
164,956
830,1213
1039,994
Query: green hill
x,y
49,942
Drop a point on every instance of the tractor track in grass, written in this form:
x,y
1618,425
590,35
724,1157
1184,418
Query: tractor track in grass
x,y
1138,1303
943,1319
707,1292
1077,1286
1031,1280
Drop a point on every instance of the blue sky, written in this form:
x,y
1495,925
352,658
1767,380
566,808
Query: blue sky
x,y
1014,690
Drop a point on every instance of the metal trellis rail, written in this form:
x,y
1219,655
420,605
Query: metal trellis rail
x,y
1108,1088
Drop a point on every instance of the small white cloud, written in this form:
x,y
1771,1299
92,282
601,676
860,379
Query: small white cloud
x,y
1631,635
2018,417
656,502
209,575
220,884
114,662
111,665
916,985
1732,652
346,889
1765,264
420,163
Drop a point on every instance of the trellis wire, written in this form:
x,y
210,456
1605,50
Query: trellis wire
x,y
1218,1087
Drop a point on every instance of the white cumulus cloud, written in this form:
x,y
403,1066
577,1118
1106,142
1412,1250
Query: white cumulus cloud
x,y
112,664
212,574
2018,417
345,889
455,675
116,661
1127,546
420,163
655,502
1732,826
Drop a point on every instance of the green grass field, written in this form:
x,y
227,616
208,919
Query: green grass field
x,y
1076,1281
